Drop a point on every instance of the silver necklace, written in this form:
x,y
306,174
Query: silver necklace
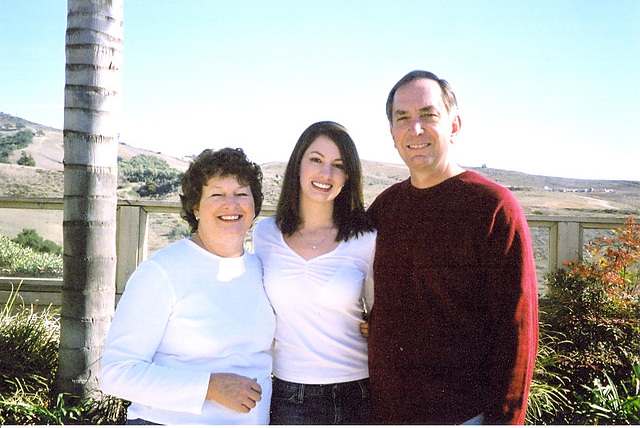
x,y
313,247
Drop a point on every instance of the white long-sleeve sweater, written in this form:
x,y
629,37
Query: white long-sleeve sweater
x,y
187,313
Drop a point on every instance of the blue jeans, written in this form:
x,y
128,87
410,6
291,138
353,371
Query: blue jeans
x,y
339,403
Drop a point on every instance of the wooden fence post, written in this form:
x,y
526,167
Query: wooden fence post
x,y
131,242
569,242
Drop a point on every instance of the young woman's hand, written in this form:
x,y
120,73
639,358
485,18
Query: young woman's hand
x,y
364,329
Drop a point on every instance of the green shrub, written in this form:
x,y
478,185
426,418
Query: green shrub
x,y
17,141
48,246
16,260
30,238
594,304
29,409
548,395
180,231
26,159
611,403
157,176
28,347
28,359
29,342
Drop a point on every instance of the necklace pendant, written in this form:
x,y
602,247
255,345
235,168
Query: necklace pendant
x,y
314,246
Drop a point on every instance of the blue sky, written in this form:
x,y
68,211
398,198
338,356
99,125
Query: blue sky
x,y
544,87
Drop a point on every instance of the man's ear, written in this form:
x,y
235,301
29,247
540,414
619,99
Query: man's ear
x,y
455,127
392,137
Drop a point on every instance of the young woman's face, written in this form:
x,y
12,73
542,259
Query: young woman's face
x,y
322,173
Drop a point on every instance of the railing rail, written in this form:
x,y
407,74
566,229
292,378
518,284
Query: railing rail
x,y
565,241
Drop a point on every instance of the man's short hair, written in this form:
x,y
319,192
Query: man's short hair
x,y
448,97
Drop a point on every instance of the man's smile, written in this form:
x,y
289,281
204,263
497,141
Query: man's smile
x,y
419,146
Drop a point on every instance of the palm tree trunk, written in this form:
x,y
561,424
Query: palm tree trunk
x,y
92,109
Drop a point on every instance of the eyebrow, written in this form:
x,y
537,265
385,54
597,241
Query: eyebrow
x,y
425,109
214,186
428,109
320,154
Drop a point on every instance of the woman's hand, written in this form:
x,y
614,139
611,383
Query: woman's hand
x,y
366,315
364,329
234,391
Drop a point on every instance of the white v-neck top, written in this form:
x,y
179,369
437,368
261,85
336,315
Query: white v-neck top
x,y
318,306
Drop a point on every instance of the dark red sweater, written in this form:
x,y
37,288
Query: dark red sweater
x,y
454,329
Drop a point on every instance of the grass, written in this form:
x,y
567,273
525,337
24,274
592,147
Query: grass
x,y
547,395
29,341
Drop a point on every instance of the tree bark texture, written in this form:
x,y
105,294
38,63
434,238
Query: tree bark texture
x,y
91,128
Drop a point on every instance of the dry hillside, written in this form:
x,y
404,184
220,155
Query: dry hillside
x,y
538,194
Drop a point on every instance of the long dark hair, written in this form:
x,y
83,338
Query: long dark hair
x,y
348,210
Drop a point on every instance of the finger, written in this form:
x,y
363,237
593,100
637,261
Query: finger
x,y
244,403
239,405
256,386
254,396
249,403
364,329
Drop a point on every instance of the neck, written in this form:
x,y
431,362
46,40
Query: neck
x,y
316,215
423,179
219,247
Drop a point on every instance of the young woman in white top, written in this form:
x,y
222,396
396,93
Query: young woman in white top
x,y
191,337
317,254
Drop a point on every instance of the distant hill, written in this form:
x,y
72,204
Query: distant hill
x,y
48,150
538,194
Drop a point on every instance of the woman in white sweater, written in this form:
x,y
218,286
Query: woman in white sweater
x,y
190,339
316,254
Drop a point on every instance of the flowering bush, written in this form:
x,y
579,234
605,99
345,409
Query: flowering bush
x,y
594,303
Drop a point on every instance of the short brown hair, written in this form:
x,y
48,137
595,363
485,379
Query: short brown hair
x,y
224,162
448,97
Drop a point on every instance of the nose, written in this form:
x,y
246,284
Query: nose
x,y
415,127
326,169
230,201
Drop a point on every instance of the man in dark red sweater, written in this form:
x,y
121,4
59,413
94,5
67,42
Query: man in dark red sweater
x,y
454,329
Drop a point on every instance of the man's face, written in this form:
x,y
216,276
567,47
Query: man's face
x,y
421,127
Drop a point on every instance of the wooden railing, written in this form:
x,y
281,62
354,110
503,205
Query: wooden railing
x,y
566,238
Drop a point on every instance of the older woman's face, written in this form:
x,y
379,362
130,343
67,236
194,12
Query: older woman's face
x,y
226,208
